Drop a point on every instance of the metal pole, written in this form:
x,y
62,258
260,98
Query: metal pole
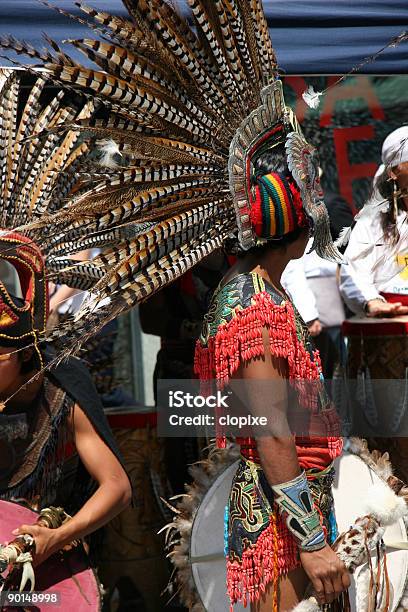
x,y
136,349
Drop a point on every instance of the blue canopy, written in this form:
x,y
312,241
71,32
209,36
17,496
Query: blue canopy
x,y
310,36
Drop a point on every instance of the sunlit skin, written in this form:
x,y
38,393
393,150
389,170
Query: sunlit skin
x,y
11,379
323,568
114,491
400,174
379,308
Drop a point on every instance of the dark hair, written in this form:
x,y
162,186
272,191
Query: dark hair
x,y
272,160
273,243
385,186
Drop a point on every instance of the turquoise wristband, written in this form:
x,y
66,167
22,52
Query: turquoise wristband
x,y
295,503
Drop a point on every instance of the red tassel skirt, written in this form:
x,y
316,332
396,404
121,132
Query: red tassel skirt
x,y
259,546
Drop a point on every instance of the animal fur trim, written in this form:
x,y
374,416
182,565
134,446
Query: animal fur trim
x,y
384,505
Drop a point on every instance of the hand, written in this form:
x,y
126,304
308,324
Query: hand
x,y
46,541
379,308
327,573
314,327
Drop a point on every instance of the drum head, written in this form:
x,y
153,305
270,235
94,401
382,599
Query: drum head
x,y
353,480
71,578
207,545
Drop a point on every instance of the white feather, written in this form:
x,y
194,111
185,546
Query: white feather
x,y
308,605
108,150
344,237
312,97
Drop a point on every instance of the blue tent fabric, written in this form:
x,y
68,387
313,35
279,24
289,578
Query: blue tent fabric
x,y
310,36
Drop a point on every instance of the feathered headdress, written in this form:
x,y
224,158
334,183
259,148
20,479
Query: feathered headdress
x,y
184,110
38,167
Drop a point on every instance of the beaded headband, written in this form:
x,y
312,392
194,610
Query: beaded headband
x,y
22,325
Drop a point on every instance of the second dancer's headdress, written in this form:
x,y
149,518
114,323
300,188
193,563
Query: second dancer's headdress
x,y
184,110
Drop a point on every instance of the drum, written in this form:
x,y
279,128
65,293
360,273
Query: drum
x,y
133,557
68,576
381,344
377,371
353,480
206,549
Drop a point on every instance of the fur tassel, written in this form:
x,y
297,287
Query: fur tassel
x,y
384,505
309,605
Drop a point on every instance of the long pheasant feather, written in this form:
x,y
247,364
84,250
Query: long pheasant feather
x,y
134,158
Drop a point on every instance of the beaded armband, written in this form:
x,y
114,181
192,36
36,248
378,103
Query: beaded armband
x,y
302,519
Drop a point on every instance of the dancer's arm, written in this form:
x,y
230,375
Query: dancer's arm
x,y
266,379
111,497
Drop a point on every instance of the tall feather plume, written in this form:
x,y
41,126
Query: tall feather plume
x,y
32,160
8,120
267,58
206,17
237,25
115,28
157,275
168,94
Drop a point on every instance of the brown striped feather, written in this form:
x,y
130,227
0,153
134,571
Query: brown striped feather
x,y
171,95
266,52
157,275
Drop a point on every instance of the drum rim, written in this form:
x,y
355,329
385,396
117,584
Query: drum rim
x,y
194,564
82,552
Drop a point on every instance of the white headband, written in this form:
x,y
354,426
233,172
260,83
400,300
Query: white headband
x,y
395,147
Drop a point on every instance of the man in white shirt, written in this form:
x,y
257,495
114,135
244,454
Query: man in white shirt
x,y
301,280
375,278
375,282
312,285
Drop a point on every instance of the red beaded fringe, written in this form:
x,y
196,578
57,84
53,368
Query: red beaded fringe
x,y
241,339
275,553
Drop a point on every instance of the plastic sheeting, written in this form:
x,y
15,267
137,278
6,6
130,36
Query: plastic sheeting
x,y
310,36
